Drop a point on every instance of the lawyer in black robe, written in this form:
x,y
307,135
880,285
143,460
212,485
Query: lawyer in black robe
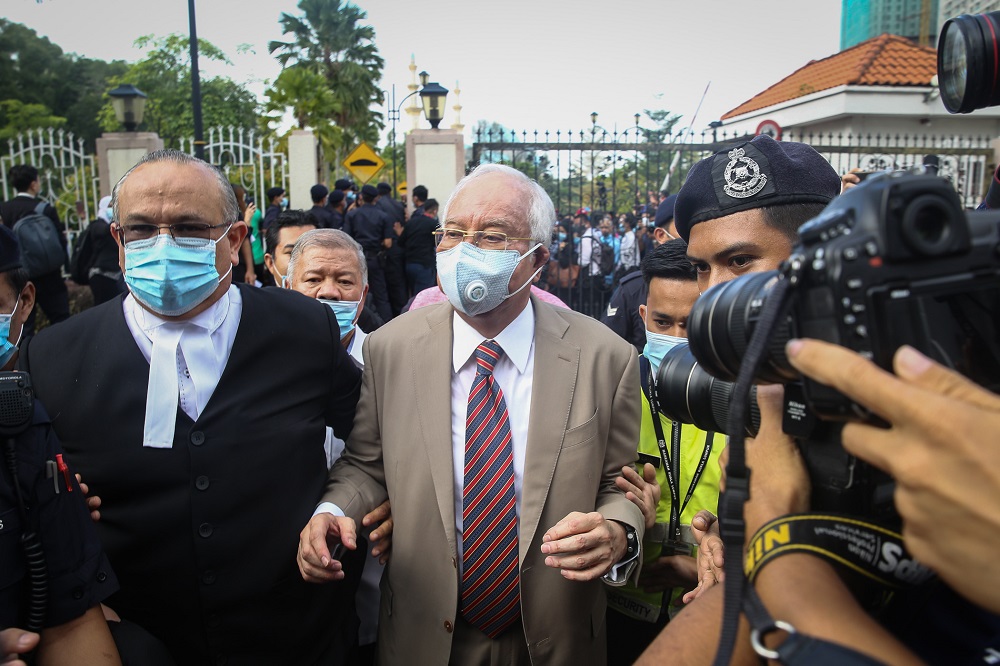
x,y
203,535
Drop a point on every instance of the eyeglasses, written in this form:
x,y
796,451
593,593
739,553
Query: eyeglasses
x,y
138,232
487,240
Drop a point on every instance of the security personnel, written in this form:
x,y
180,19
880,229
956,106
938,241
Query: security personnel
x,y
636,614
622,313
371,227
46,501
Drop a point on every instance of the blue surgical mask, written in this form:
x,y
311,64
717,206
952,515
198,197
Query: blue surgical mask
x,y
346,313
284,202
172,277
476,280
562,235
657,346
8,348
351,196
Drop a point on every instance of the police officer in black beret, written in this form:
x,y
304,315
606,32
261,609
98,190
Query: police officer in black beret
x,y
622,313
756,196
40,497
371,227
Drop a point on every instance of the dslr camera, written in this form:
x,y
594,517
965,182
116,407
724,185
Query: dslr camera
x,y
890,262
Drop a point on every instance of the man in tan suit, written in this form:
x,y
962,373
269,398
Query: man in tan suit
x,y
496,426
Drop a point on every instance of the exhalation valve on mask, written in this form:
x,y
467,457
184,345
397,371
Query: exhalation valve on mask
x,y
476,291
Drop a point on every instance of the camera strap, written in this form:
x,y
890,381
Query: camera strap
x,y
848,543
737,492
671,471
797,649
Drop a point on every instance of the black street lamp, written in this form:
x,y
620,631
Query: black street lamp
x,y
199,133
129,104
394,110
432,96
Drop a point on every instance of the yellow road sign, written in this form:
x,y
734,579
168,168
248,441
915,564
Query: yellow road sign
x,y
363,162
401,188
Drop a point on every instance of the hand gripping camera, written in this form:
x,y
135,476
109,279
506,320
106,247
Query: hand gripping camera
x,y
893,261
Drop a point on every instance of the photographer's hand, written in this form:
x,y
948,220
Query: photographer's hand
x,y
850,179
940,450
779,483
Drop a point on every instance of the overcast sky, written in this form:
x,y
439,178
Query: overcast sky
x,y
527,64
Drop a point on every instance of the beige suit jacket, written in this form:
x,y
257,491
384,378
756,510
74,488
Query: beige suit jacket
x,y
585,412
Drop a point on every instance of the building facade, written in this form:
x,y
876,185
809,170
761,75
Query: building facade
x,y
916,20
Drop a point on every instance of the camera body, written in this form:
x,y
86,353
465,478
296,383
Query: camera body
x,y
890,262
896,262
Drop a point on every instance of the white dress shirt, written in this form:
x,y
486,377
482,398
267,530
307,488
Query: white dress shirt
x,y
334,446
513,373
205,342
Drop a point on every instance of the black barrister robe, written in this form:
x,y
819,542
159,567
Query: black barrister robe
x,y
203,536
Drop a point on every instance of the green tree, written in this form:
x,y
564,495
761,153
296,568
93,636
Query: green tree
x,y
303,91
34,71
165,76
16,117
329,39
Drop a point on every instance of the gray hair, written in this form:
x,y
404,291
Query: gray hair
x,y
540,212
329,239
230,209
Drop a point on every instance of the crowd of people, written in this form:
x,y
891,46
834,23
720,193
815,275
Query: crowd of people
x,y
413,450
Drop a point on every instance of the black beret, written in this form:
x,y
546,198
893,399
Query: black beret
x,y
369,191
343,184
756,174
10,251
335,197
317,192
384,188
274,192
665,211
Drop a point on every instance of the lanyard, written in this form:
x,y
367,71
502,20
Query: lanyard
x,y
674,476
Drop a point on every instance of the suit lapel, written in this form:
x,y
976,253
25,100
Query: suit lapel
x,y
553,386
431,389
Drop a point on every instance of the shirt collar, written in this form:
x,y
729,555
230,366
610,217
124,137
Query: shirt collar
x,y
209,319
516,339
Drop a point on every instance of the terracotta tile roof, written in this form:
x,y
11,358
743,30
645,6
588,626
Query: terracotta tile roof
x,y
886,60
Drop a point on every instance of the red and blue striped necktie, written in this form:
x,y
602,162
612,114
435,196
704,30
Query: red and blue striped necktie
x,y
490,594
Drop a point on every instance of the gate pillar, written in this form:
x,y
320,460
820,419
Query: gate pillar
x,y
436,160
117,152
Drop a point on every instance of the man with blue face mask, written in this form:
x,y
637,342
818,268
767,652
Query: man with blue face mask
x,y
196,409
329,265
636,614
496,425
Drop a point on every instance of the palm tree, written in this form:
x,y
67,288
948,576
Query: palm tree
x,y
329,39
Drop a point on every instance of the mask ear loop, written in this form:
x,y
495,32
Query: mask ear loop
x,y
21,332
532,278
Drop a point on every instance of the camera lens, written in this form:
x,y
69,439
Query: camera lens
x,y
967,62
688,394
724,318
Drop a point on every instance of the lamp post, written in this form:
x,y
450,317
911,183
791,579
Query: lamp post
x,y
432,96
394,110
129,104
199,137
